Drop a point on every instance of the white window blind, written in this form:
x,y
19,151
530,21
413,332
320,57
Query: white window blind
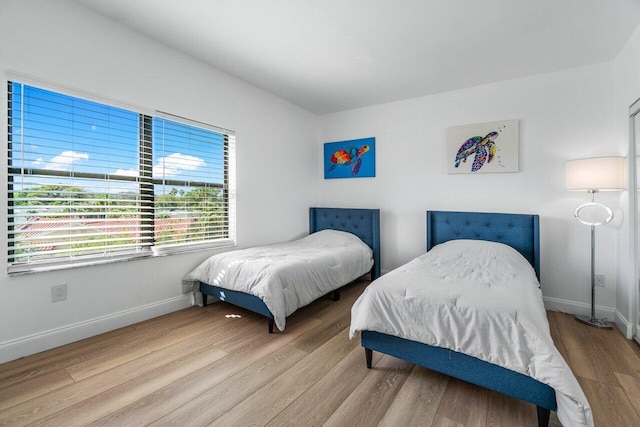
x,y
190,177
89,182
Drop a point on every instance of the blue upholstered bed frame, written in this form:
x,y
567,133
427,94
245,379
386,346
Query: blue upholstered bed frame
x,y
364,223
516,230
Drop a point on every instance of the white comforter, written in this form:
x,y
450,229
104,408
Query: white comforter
x,y
478,298
287,276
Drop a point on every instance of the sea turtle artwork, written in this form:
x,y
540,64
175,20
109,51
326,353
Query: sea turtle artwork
x,y
480,148
484,149
352,156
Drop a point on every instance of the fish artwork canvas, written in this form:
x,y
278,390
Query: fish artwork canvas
x,y
350,159
483,147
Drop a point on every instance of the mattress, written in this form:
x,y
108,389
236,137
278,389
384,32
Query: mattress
x,y
478,298
287,276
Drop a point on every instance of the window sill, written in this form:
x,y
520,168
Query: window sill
x,y
88,262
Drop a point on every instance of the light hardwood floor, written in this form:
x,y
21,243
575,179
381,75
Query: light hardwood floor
x,y
199,366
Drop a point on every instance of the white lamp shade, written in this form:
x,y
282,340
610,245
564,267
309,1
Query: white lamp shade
x,y
598,173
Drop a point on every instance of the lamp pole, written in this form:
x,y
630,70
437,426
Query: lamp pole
x,y
591,320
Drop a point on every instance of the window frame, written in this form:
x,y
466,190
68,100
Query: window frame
x,y
145,187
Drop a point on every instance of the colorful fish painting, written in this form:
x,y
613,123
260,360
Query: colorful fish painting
x,y
484,149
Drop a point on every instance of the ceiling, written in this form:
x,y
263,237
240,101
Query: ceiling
x,y
333,55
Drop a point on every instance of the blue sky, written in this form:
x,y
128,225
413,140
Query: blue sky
x,y
58,132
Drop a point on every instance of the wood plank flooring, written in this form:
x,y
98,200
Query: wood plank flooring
x,y
202,367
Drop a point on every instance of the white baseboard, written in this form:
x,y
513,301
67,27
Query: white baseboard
x,y
31,344
624,325
573,307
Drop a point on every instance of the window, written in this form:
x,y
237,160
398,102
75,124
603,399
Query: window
x,y
89,182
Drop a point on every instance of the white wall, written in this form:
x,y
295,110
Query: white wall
x,y
65,44
563,115
627,91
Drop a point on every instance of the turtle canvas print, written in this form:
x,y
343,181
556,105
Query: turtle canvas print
x,y
350,159
483,147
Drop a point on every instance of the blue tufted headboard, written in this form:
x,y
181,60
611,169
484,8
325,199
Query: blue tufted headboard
x,y
520,231
364,223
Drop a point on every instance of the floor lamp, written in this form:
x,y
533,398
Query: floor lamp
x,y
594,175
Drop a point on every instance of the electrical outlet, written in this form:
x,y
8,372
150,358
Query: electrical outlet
x,y
59,292
601,280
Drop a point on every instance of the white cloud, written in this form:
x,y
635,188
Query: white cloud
x,y
126,172
175,163
64,160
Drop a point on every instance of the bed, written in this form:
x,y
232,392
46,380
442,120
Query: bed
x,y
276,280
423,293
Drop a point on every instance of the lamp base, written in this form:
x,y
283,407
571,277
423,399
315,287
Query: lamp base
x,y
596,323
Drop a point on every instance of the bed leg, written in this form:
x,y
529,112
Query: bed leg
x,y
368,354
204,299
271,325
543,417
336,295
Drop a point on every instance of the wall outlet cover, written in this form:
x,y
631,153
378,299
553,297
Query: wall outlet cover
x,y
59,292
